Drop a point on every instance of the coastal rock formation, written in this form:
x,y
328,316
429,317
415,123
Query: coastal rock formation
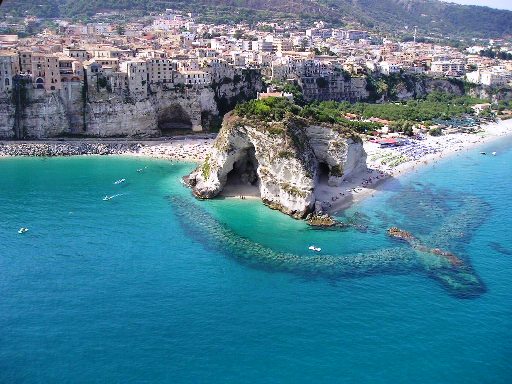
x,y
285,160
92,111
239,85
400,234
101,114
457,278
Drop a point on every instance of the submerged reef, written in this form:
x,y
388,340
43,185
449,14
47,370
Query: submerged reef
x,y
428,256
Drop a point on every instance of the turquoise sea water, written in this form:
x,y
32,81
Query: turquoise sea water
x,y
154,286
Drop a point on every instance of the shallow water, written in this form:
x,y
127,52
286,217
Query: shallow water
x,y
153,286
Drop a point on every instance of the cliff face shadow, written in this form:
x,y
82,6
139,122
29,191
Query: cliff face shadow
x,y
174,120
323,173
243,179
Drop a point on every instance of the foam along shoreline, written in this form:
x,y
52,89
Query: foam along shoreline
x,y
387,164
383,164
188,149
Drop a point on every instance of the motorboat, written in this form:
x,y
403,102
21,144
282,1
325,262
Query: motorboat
x,y
494,153
483,153
313,248
22,230
120,181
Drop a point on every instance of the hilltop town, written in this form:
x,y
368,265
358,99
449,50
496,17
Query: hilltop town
x,y
172,74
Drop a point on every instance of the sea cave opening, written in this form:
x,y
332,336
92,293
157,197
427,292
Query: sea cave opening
x,y
243,179
174,121
323,173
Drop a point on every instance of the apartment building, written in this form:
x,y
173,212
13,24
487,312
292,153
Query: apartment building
x,y
9,68
193,78
161,70
46,72
137,74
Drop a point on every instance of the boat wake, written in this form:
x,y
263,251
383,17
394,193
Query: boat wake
x,y
107,197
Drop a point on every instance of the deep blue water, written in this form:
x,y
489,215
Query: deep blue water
x,y
153,286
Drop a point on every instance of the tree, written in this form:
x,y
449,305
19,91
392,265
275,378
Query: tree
x,y
238,34
120,29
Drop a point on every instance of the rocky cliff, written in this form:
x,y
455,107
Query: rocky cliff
x,y
402,87
286,160
243,85
94,111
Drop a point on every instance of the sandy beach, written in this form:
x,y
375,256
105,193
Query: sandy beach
x,y
384,164
193,149
390,163
190,149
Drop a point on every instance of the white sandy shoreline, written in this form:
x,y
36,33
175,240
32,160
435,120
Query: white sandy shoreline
x,y
426,153
188,149
357,187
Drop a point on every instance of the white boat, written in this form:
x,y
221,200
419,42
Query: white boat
x,y
139,170
106,198
119,181
313,248
22,230
494,153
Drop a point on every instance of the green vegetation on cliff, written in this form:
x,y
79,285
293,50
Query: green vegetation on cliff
x,y
436,105
269,109
403,115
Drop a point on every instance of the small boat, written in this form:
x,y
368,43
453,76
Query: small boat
x,y
483,153
494,153
140,170
22,230
313,248
120,181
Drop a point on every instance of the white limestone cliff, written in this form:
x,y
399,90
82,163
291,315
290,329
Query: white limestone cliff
x,y
286,160
100,114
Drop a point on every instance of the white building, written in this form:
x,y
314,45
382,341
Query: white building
x,y
193,78
388,68
451,66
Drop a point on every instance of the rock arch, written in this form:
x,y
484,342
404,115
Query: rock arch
x,y
243,176
323,172
288,161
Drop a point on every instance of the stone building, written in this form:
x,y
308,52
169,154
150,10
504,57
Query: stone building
x,y
9,67
193,78
136,71
46,72
161,70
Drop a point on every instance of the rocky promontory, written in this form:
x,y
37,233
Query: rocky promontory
x,y
267,144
